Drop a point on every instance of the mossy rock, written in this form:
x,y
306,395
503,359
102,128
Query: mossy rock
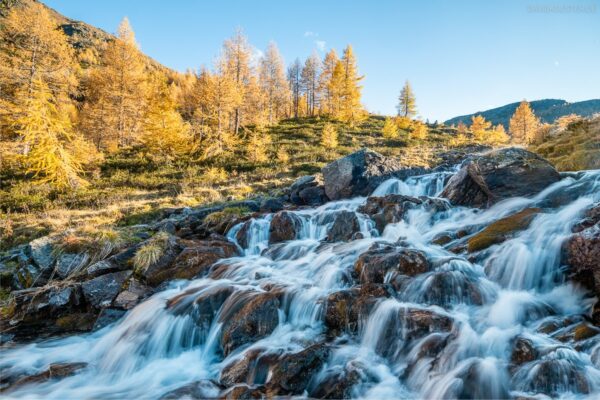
x,y
499,231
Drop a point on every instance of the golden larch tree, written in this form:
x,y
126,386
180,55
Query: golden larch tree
x,y
116,92
390,129
329,136
351,109
480,127
407,105
325,82
523,124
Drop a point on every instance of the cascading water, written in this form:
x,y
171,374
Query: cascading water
x,y
447,334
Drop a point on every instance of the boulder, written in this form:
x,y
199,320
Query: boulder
x,y
345,225
344,308
373,265
248,318
497,175
42,252
284,226
188,259
293,372
308,191
101,291
68,263
337,383
252,368
52,309
502,229
119,262
201,303
357,174
523,351
271,205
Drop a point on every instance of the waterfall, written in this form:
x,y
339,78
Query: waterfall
x,y
446,333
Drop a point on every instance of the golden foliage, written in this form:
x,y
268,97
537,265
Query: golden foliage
x,y
329,136
407,106
524,124
419,130
256,148
390,129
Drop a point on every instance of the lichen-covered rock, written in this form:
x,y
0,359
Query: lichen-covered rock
x,y
357,174
502,229
284,226
101,291
373,265
498,175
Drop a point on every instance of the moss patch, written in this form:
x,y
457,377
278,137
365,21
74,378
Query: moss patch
x,y
500,230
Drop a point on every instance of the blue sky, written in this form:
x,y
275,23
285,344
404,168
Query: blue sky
x,y
460,56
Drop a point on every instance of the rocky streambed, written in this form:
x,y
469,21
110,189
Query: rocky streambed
x,y
478,279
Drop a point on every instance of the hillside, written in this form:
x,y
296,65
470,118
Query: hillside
x,y
548,110
87,40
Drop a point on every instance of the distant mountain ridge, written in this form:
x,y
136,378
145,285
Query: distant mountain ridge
x,y
548,110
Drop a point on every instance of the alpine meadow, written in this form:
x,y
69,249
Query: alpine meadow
x,y
187,215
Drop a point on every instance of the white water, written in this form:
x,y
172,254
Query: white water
x,y
510,290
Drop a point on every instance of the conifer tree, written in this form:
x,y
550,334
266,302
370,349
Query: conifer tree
x,y
390,129
351,109
329,136
256,148
498,135
407,106
117,90
310,82
523,124
294,80
273,83
419,130
164,133
479,127
235,65
325,82
49,135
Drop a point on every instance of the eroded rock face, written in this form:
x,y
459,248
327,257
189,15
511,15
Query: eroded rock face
x,y
248,318
500,174
284,226
357,174
373,265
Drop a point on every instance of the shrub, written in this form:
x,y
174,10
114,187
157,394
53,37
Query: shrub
x,y
329,136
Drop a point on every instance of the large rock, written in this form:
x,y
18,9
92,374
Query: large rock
x,y
284,226
53,309
252,368
502,229
373,265
247,318
187,259
201,303
42,252
293,372
132,294
344,308
308,191
498,175
345,225
357,174
101,291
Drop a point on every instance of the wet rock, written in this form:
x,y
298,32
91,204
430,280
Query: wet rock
x,y
108,316
590,218
345,225
576,332
242,235
357,174
373,265
293,372
247,319
101,291
199,390
52,309
502,229
478,383
202,303
343,309
189,259
243,392
582,252
388,209
337,382
498,175
444,288
54,372
523,351
552,377
252,368
132,293
308,191
284,226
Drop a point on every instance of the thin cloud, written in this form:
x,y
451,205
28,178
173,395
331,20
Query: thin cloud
x,y
320,44
310,34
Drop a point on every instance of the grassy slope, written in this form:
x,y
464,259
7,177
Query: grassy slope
x,y
129,189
